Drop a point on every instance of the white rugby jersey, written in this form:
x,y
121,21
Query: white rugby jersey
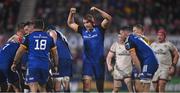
x,y
122,56
163,53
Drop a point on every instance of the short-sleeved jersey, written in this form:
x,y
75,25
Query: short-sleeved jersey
x,y
38,45
93,43
62,47
144,53
163,53
8,53
122,56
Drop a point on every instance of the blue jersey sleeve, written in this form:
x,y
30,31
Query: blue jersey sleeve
x,y
129,44
26,41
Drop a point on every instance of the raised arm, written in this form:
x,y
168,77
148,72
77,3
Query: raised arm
x,y
107,18
70,20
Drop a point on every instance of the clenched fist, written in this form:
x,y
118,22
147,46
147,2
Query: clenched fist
x,y
93,8
73,10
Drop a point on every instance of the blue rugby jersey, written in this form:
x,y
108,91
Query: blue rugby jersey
x,y
93,44
62,47
8,53
142,48
38,45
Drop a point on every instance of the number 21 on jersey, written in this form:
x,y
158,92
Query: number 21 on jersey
x,y
40,44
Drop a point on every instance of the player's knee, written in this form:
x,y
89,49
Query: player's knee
x,y
33,85
57,89
86,85
57,86
86,89
162,83
16,85
162,86
115,89
138,85
116,86
155,86
67,88
129,85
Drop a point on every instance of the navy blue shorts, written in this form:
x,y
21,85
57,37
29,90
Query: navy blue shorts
x,y
39,75
8,75
2,77
65,68
96,69
148,71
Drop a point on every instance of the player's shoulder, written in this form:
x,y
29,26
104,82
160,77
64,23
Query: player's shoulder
x,y
53,33
81,28
130,37
168,43
12,39
31,34
115,43
27,35
99,27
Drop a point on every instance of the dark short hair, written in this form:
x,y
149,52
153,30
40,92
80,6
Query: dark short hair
x,y
51,27
28,23
126,28
20,26
38,23
139,26
89,17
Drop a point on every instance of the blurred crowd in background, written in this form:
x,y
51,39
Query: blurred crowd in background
x,y
153,14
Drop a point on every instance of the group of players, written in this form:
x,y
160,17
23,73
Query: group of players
x,y
140,62
34,48
45,55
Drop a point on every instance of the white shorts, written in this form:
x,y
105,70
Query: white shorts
x,y
62,79
121,74
161,74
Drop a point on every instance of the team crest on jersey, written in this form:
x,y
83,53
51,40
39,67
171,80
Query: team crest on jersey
x,y
124,52
160,51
